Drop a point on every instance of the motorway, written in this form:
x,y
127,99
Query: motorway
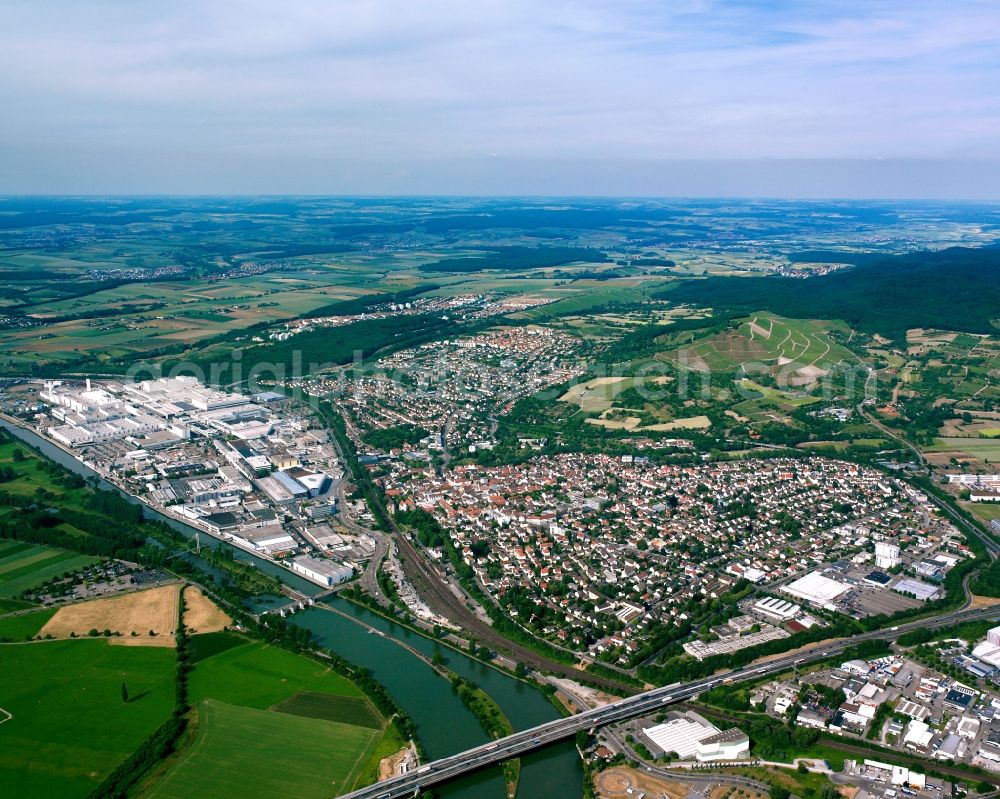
x,y
514,745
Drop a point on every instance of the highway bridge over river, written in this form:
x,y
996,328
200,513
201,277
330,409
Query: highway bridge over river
x,y
454,766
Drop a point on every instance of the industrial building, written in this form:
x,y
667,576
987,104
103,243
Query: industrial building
x,y
817,589
886,555
691,736
729,744
779,610
327,573
921,590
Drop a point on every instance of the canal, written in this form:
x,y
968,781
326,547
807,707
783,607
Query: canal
x,y
443,723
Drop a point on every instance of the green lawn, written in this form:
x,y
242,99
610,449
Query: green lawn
x,y
259,676
242,752
70,729
987,511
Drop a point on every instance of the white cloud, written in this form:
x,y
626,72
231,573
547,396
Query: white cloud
x,y
362,80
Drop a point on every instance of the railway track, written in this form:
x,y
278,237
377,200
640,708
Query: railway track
x,y
437,594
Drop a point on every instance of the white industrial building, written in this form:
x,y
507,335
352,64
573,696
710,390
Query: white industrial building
x,y
817,589
119,410
898,775
729,744
777,609
680,735
268,539
886,555
975,480
921,590
327,573
691,736
988,651
918,735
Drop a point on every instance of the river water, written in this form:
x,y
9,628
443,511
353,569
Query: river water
x,y
444,725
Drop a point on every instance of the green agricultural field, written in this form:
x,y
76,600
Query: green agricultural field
x,y
201,647
244,753
70,730
25,625
583,295
23,566
284,723
258,675
345,709
785,400
985,449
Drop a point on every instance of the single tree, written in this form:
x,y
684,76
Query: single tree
x,y
124,694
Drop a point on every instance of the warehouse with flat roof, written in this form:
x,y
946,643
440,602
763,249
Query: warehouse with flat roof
x,y
327,573
817,589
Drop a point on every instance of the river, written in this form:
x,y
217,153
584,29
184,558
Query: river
x,y
443,723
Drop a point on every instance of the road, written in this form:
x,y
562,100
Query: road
x,y
862,409
641,704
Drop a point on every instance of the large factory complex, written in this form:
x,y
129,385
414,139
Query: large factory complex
x,y
253,470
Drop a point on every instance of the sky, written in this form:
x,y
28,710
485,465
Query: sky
x,y
811,98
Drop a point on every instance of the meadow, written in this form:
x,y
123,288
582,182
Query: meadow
x,y
258,675
983,449
23,626
71,729
284,723
242,752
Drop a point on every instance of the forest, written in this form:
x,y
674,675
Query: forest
x,y
951,289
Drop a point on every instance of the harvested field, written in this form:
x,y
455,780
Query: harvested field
x,y
142,612
201,615
597,394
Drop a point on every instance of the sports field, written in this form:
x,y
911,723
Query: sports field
x,y
70,730
23,566
242,752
